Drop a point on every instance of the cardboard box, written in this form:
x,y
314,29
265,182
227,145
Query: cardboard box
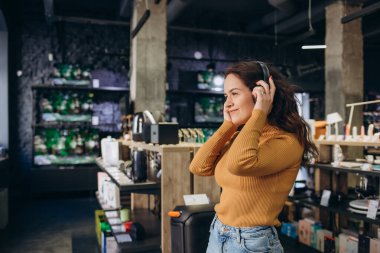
x,y
304,230
374,245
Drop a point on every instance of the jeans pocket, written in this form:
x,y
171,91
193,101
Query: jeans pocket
x,y
256,244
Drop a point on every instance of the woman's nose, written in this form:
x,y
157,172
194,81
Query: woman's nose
x,y
229,102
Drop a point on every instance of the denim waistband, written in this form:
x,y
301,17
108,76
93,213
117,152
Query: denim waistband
x,y
243,232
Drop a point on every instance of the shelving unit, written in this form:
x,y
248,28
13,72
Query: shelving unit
x,y
178,98
84,88
287,241
346,170
79,173
151,225
176,181
127,186
335,178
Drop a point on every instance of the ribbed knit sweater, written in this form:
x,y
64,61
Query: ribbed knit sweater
x,y
255,167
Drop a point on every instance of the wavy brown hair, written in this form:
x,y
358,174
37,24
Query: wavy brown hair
x,y
284,113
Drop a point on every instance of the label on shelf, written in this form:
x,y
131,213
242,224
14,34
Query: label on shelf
x,y
95,120
373,206
325,197
196,199
95,83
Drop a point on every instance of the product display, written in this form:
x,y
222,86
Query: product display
x,y
68,74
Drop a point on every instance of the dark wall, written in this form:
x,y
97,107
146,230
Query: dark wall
x,y
304,67
102,48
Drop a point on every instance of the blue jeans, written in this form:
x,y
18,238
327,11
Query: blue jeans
x,y
227,239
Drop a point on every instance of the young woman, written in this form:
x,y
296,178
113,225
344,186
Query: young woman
x,y
255,156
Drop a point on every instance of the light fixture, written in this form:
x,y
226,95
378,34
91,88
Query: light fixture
x,y
198,55
217,83
314,47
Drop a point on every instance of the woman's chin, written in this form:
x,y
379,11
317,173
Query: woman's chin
x,y
236,122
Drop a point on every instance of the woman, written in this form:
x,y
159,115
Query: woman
x,y
255,156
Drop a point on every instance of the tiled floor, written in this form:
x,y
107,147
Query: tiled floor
x,y
55,225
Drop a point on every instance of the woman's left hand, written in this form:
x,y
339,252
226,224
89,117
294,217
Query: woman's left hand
x,y
264,94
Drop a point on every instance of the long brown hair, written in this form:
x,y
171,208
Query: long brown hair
x,y
284,113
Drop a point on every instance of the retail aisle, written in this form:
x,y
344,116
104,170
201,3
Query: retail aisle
x,y
55,225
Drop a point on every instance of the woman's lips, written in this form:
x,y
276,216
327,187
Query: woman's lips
x,y
233,111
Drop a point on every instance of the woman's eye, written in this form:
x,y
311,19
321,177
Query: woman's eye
x,y
234,94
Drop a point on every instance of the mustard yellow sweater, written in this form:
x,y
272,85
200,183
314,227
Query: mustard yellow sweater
x,y
256,169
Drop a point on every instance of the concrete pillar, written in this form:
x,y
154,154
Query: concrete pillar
x,y
148,57
343,62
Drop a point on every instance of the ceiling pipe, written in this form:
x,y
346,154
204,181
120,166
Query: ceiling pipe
x,y
284,8
267,20
283,5
49,10
301,20
175,8
363,12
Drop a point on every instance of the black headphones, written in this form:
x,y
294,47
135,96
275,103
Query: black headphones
x,y
265,70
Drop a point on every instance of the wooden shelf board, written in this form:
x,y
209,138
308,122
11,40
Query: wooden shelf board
x,y
349,143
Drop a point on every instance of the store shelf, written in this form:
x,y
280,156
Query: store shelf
x,y
183,146
201,125
325,166
341,209
63,124
195,92
65,160
84,88
2,159
152,227
53,178
152,240
126,185
295,245
348,143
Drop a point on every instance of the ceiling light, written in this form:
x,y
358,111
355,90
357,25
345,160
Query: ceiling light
x,y
314,47
198,55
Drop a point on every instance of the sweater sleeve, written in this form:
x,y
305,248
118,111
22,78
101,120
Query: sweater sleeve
x,y
204,161
247,158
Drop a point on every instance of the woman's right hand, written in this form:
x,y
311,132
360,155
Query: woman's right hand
x,y
226,114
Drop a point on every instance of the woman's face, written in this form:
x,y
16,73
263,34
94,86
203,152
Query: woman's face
x,y
239,100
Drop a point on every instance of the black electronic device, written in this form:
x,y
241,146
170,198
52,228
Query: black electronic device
x,y
190,230
137,231
265,70
164,133
139,166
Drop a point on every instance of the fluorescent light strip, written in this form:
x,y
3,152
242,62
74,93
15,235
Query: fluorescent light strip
x,y
314,47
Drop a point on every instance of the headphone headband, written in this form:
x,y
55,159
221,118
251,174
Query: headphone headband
x,y
265,70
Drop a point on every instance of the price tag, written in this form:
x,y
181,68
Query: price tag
x,y
372,209
196,199
325,197
95,120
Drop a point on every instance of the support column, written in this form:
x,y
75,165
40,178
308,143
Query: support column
x,y
148,57
343,63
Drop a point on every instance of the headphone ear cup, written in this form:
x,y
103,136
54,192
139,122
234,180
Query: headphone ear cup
x,y
265,71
